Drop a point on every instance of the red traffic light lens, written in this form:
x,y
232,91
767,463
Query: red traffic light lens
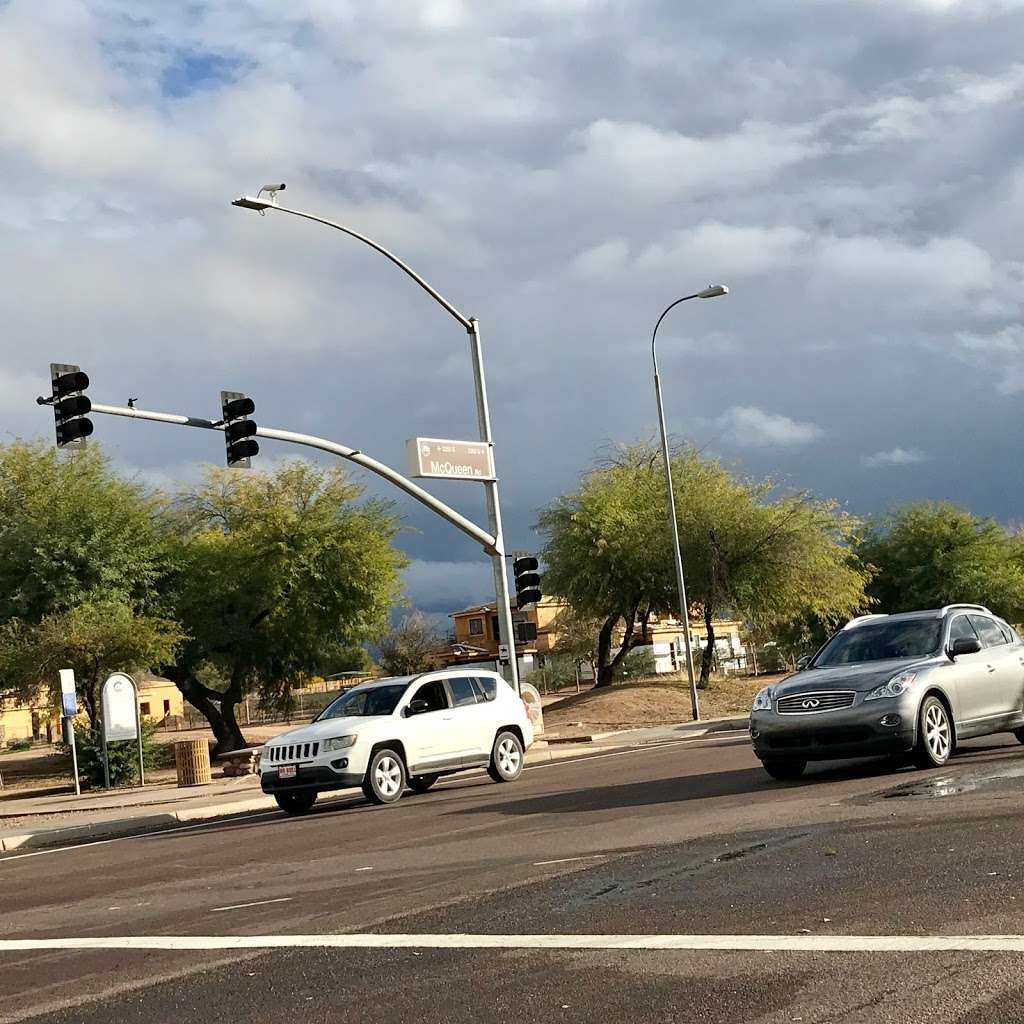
x,y
66,383
238,407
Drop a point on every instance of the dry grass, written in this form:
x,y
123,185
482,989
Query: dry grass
x,y
649,702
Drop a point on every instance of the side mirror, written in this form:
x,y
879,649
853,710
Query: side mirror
x,y
802,663
964,645
417,707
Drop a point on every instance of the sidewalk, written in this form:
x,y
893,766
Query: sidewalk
x,y
58,820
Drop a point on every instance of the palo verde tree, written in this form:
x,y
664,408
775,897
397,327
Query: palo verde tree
x,y
272,570
746,552
932,554
81,558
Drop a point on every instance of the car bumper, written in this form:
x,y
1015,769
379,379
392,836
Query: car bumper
x,y
866,729
318,777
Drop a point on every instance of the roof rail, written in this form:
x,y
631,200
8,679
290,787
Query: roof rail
x,y
864,618
959,604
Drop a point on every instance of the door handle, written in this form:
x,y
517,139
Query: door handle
x,y
447,718
991,668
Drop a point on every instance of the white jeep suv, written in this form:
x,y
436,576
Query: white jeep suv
x,y
398,732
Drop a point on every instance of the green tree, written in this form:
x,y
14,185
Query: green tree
x,y
932,554
746,552
409,646
95,638
71,531
81,556
274,573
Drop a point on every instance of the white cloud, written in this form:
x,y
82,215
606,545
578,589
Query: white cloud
x,y
894,457
750,427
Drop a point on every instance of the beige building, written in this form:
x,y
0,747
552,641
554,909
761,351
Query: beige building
x,y
474,638
39,720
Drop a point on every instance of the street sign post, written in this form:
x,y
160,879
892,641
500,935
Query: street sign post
x,y
121,719
69,709
439,459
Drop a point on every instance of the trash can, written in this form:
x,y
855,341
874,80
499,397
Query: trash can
x,y
192,760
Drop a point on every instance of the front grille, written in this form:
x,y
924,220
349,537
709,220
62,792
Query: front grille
x,y
815,703
292,752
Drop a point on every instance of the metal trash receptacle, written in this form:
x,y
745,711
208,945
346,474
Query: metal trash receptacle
x,y
192,761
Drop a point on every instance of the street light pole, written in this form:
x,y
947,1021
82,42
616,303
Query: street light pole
x,y
712,291
506,628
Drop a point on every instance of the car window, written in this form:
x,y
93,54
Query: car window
x,y
1008,634
486,687
434,694
462,691
991,635
881,640
373,701
961,629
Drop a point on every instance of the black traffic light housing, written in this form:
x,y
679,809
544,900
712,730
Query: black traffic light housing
x,y
71,406
239,440
527,578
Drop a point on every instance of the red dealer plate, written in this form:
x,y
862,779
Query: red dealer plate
x,y
287,771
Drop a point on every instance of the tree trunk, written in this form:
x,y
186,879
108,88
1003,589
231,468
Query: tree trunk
x,y
709,651
217,708
605,668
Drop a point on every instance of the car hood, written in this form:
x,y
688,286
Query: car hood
x,y
329,727
859,678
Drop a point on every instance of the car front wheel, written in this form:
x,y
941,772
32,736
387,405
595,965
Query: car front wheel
x,y
385,777
506,758
784,771
934,735
296,803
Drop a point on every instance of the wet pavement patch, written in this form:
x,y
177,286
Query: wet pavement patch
x,y
933,786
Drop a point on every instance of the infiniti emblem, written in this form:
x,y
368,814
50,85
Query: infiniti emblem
x,y
811,702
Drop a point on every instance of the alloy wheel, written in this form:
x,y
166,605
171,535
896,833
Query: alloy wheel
x,y
388,776
937,732
508,756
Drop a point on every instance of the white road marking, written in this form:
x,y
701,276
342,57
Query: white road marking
x,y
364,869
569,860
257,903
138,835
724,943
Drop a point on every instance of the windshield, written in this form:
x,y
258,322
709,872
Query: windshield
x,y
365,702
878,641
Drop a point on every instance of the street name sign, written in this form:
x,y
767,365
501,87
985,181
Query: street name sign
x,y
440,459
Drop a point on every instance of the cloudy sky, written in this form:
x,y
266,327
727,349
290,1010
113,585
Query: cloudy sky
x,y
561,169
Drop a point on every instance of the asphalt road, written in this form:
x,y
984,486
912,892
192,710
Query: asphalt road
x,y
686,839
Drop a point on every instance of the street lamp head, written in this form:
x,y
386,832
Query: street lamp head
x,y
257,202
251,203
713,291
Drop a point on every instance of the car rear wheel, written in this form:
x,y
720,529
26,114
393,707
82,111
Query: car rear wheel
x,y
784,771
385,777
421,783
934,735
296,803
506,758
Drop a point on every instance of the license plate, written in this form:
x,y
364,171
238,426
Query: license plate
x,y
287,771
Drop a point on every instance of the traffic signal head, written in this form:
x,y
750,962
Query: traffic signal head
x,y
525,570
239,430
70,405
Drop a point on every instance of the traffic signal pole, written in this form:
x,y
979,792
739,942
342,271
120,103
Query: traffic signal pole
x,y
487,540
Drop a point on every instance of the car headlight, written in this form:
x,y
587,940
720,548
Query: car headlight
x,y
338,743
763,700
896,687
